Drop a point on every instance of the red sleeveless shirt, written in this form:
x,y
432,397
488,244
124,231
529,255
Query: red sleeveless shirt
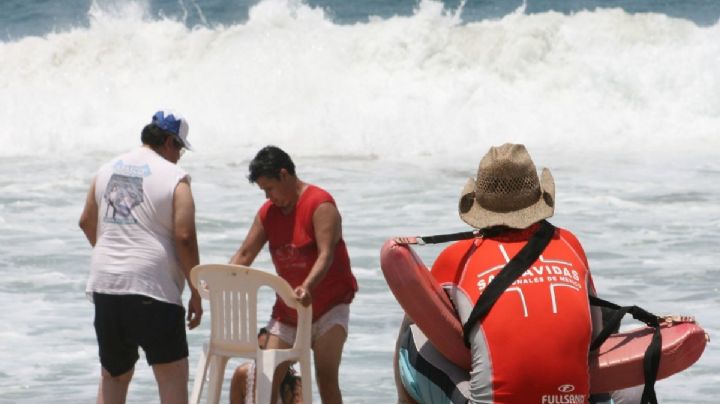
x,y
291,238
533,345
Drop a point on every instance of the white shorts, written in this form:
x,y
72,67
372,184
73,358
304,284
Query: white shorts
x,y
338,315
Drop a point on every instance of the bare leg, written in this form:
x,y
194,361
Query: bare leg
x,y
327,352
238,384
113,389
172,380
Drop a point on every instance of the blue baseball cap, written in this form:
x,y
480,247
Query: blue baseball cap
x,y
174,124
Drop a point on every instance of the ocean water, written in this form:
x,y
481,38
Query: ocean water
x,y
387,104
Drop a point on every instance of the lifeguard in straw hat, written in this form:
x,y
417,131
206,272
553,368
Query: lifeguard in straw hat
x,y
507,190
535,338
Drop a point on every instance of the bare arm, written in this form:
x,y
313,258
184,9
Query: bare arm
x,y
89,216
185,236
328,231
251,246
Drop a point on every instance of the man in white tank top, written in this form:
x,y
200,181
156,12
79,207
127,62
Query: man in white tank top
x,y
139,217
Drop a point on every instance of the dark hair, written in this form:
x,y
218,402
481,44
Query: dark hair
x,y
154,136
268,162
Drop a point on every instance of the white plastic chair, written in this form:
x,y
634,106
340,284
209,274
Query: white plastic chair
x,y
232,291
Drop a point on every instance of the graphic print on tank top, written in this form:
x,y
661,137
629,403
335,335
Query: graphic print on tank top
x,y
554,273
289,256
123,192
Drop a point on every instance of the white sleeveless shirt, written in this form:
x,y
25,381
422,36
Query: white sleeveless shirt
x,y
135,248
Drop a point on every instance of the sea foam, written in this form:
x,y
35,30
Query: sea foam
x,y
427,85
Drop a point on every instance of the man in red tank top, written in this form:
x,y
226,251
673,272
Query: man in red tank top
x,y
533,345
302,226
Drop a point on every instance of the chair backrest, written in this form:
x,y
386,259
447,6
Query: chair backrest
x,y
233,293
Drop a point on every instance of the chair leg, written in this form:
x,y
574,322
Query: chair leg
x,y
265,369
217,374
200,375
306,373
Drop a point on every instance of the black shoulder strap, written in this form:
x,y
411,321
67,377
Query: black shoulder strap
x,y
444,238
517,265
651,360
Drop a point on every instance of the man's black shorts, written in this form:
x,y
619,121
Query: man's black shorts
x,y
125,322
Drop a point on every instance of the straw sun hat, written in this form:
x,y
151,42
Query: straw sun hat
x,y
507,191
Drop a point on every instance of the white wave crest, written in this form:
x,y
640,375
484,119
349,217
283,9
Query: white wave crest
x,y
422,85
